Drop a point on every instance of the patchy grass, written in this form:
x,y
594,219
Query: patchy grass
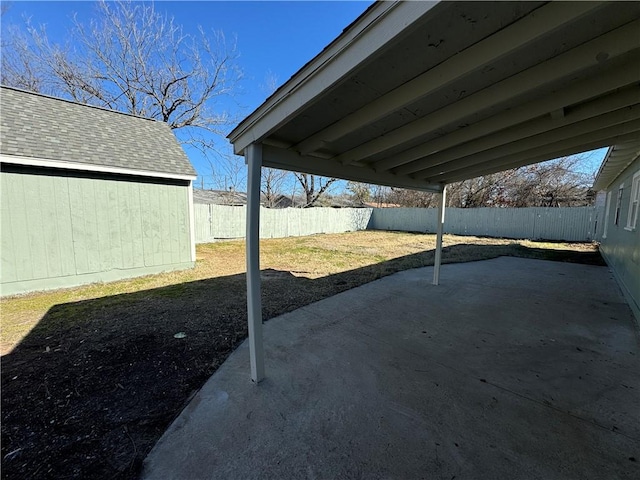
x,y
92,376
311,257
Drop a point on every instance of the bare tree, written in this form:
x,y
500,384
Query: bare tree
x,y
552,184
360,192
232,173
132,59
409,198
274,181
273,186
556,183
313,187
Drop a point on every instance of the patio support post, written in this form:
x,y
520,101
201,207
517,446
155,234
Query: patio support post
x,y
441,207
254,304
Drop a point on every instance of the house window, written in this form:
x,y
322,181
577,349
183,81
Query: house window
x,y
634,203
616,219
607,208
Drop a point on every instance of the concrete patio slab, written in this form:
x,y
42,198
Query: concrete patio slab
x,y
511,368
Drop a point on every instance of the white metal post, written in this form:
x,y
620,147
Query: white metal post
x,y
254,303
441,208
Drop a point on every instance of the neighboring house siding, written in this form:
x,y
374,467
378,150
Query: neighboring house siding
x,y
62,228
621,246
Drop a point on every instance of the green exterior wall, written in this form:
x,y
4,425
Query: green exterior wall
x,y
621,248
66,229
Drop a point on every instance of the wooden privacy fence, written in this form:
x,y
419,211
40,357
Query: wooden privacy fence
x,y
576,224
221,221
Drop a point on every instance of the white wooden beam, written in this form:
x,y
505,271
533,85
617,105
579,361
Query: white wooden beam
x,y
534,26
283,159
567,133
557,150
442,201
615,43
538,126
254,302
573,94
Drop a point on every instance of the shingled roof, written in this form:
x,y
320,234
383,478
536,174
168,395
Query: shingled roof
x,y
42,127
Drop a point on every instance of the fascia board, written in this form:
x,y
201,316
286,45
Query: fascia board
x,y
48,163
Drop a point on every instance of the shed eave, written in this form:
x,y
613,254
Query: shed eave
x,y
58,164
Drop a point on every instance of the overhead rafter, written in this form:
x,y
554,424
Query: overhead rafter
x,y
576,93
568,132
602,106
539,23
591,141
615,43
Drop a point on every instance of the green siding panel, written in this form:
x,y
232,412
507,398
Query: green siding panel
x,y
123,207
76,211
158,206
621,247
51,237
136,238
62,204
91,240
184,231
174,240
115,225
101,215
35,226
165,225
64,231
8,267
147,233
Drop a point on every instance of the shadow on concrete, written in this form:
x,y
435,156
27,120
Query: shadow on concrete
x,y
95,384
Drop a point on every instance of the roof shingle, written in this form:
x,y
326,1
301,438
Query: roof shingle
x,y
38,126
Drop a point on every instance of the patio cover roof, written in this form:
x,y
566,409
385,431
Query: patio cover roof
x,y
421,94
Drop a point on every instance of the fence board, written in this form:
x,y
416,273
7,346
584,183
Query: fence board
x,y
569,224
575,224
223,222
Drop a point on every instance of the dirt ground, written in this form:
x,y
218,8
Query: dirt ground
x,y
96,378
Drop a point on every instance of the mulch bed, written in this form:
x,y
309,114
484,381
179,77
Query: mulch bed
x,y
89,398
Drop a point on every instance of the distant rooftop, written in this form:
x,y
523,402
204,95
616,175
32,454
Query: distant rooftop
x,y
219,197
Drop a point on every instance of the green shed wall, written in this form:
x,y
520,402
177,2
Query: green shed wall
x,y
621,248
66,229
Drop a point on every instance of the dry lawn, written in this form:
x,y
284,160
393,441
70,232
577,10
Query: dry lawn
x,y
310,257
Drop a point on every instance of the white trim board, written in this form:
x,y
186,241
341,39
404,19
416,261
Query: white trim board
x,y
47,163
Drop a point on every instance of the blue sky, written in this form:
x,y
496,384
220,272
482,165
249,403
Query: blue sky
x,y
274,40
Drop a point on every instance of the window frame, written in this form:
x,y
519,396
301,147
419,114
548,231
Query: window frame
x,y
616,218
634,203
607,210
